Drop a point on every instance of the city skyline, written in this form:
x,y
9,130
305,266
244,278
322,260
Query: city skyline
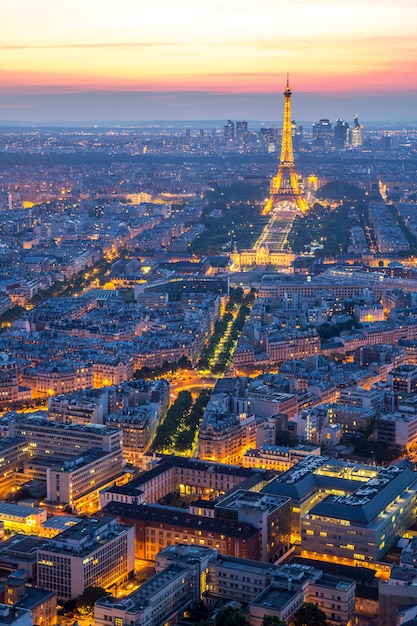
x,y
98,61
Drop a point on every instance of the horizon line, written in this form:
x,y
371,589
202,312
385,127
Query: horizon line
x,y
128,122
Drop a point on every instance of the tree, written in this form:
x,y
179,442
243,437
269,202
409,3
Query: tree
x,y
310,615
184,362
89,597
272,620
231,616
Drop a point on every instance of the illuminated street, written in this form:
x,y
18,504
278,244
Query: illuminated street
x,y
189,380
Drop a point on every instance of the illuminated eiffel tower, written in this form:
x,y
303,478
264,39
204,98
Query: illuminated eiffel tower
x,y
285,185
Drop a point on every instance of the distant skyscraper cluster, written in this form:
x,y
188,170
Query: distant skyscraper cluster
x,y
341,136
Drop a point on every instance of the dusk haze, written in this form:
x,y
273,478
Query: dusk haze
x,y
130,60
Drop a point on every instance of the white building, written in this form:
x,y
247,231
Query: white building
x,y
94,552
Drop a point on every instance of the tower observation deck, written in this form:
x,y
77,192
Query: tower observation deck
x,y
285,185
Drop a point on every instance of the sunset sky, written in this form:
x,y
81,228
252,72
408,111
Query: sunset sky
x,y
207,59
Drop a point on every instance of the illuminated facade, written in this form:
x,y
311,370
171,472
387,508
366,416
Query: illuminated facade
x,y
179,583
261,256
292,585
295,345
369,313
397,594
41,603
348,510
271,515
94,552
285,185
160,600
21,519
185,477
61,441
278,458
357,133
74,410
187,575
9,380
403,378
138,425
51,379
398,429
226,437
111,371
157,526
14,452
76,482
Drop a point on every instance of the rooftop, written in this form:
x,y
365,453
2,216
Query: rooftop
x,y
275,598
140,598
15,510
179,517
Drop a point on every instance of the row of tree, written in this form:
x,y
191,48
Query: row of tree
x,y
168,431
224,357
209,349
187,433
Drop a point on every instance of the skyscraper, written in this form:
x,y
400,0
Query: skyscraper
x,y
341,133
357,132
322,129
297,134
241,130
229,130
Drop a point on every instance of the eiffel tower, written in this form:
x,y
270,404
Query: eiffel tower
x,y
285,185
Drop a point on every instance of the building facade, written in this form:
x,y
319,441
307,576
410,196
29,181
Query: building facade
x,y
94,552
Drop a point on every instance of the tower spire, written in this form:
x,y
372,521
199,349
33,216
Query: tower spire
x,y
284,185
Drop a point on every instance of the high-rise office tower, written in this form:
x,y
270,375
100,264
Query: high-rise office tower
x,y
241,130
297,134
322,130
386,142
341,133
357,132
229,130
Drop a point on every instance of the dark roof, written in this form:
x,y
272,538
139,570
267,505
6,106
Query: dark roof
x,y
169,462
225,385
365,499
126,490
363,574
363,507
22,545
34,597
178,517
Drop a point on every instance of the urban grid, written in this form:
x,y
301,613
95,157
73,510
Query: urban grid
x,y
208,374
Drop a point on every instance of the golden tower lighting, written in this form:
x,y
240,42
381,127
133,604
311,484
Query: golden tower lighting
x,y
285,185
